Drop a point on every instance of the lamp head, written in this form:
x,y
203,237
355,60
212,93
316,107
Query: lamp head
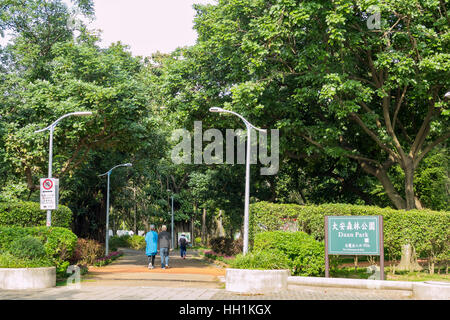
x,y
215,109
447,96
128,165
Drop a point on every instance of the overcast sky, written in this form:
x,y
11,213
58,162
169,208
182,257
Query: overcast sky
x,y
146,26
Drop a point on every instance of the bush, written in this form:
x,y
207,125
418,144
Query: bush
x,y
8,260
263,260
87,251
137,242
428,231
119,241
29,214
27,248
59,243
226,246
306,255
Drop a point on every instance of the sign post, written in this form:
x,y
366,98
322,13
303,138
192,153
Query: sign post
x,y
49,195
354,235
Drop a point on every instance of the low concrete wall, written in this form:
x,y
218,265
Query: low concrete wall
x,y
27,278
351,283
256,281
432,290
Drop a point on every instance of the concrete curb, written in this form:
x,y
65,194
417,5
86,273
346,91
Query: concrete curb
x,y
351,283
27,278
256,281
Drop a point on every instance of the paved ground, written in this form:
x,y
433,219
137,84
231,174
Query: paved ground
x,y
192,279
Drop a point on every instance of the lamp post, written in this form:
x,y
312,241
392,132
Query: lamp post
x,y
171,225
249,126
108,174
51,128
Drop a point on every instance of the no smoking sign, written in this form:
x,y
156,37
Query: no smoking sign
x,y
49,188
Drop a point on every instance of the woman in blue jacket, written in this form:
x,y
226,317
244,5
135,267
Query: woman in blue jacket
x,y
151,238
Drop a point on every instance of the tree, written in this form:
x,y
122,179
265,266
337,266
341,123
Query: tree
x,y
316,71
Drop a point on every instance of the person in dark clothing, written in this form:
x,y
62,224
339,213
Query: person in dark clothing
x,y
164,245
183,243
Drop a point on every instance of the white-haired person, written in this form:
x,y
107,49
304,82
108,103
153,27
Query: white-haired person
x,y
164,245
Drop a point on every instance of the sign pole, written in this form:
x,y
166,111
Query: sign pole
x,y
381,248
50,164
327,263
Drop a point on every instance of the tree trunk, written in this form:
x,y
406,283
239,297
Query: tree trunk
x,y
409,184
382,176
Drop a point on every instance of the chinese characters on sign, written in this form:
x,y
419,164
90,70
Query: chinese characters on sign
x,y
353,235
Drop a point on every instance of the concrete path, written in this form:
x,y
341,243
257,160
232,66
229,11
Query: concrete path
x,y
128,278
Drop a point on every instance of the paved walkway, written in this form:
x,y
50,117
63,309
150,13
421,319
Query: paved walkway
x,y
128,278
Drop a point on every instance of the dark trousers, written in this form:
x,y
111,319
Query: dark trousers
x,y
183,251
151,259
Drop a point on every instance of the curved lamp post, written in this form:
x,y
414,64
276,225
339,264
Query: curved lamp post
x,y
108,174
51,128
247,171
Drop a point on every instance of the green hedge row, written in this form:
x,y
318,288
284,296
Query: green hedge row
x,y
428,231
29,214
59,243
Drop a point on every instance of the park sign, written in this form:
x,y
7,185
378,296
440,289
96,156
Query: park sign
x,y
49,193
350,235
354,235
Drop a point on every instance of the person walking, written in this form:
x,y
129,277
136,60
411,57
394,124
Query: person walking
x,y
151,249
183,243
164,245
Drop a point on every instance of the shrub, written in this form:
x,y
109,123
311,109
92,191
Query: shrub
x,y
59,243
264,259
428,231
119,241
27,248
306,255
87,251
29,214
136,242
8,260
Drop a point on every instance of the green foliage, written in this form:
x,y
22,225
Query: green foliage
x,y
27,248
8,260
119,242
428,231
137,242
305,253
262,260
29,214
59,243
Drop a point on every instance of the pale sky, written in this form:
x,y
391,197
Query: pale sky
x,y
145,25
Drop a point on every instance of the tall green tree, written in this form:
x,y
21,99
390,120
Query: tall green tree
x,y
324,73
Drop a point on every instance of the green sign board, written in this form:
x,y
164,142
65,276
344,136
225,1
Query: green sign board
x,y
353,235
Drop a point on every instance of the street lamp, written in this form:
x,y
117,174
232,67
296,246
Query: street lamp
x,y
108,174
51,128
447,96
249,126
171,228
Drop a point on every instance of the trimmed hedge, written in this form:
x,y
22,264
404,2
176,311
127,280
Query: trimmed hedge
x,y
29,214
296,251
59,243
428,231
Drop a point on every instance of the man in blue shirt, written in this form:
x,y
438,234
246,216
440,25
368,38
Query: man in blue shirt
x,y
151,238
